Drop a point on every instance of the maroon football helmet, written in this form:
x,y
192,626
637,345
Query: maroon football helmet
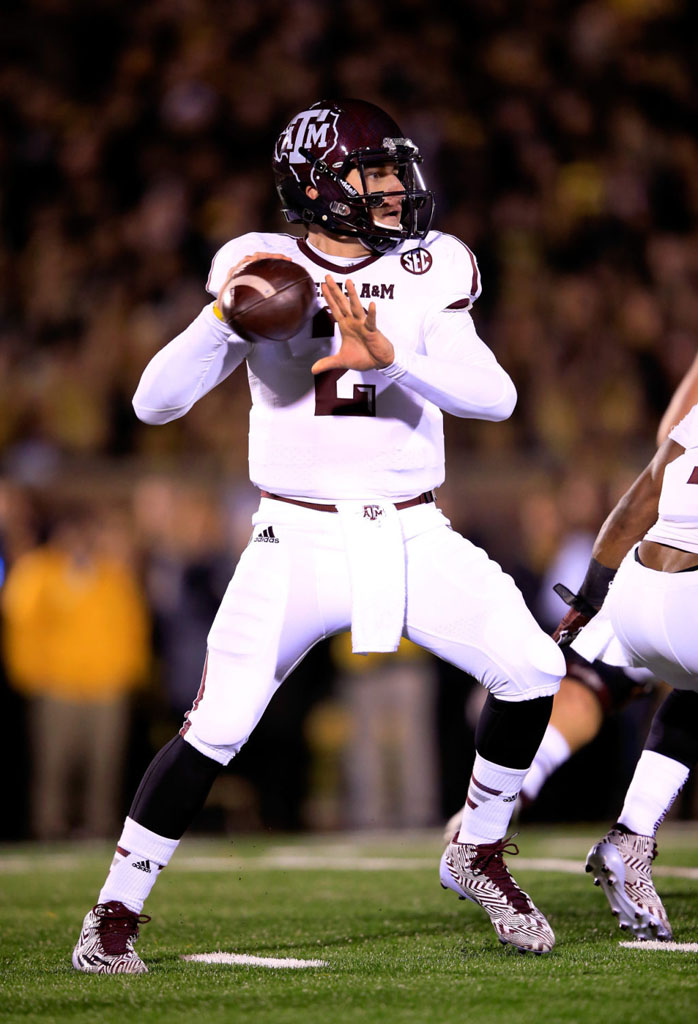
x,y
319,148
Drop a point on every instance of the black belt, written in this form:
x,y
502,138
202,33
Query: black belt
x,y
689,568
422,499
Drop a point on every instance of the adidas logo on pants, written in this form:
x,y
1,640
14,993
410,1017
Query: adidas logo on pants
x,y
266,536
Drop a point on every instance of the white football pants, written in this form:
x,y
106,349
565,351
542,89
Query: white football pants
x,y
653,615
292,591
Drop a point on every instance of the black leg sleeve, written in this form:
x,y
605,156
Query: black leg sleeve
x,y
173,789
674,729
509,732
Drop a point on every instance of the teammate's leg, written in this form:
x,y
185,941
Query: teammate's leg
x,y
587,694
621,862
670,752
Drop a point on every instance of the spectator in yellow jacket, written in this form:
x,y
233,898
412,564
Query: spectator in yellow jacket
x,y
76,643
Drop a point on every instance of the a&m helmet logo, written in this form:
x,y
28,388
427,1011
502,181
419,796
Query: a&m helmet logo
x,y
416,261
315,130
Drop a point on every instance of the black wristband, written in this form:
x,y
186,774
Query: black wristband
x,y
596,583
575,601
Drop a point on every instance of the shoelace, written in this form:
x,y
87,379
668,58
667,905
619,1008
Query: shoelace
x,y
489,861
118,924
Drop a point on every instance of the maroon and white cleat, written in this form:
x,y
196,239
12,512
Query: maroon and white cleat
x,y
478,873
106,941
622,865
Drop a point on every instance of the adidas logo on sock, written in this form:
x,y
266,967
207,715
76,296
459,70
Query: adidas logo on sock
x,y
142,865
266,536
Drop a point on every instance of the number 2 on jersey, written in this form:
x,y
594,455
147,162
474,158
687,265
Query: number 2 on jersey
x,y
328,401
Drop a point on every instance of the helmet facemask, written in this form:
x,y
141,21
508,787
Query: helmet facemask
x,y
356,212
340,208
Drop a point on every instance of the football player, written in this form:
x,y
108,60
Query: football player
x,y
636,608
590,692
346,447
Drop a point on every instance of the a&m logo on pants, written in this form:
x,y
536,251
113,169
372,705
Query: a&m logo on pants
x,y
372,512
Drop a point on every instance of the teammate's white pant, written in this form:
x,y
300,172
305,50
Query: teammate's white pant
x,y
653,617
287,596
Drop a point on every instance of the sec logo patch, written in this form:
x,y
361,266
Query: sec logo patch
x,y
417,261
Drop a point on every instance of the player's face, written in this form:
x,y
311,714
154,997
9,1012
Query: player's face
x,y
382,178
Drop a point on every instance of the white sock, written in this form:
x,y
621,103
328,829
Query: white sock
x,y
553,751
657,782
490,803
139,858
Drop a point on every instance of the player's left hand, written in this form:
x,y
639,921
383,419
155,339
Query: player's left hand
x,y
569,627
363,346
581,612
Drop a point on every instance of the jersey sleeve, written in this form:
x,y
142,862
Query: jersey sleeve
x,y
457,282
230,254
685,432
187,368
458,373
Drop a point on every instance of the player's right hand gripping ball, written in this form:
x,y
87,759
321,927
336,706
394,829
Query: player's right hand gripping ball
x,y
269,299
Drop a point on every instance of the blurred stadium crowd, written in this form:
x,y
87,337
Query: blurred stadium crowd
x,y
559,135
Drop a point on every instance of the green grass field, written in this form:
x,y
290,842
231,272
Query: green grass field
x,y
398,948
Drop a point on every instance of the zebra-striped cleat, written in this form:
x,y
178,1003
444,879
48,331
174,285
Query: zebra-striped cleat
x,y
478,873
622,865
106,941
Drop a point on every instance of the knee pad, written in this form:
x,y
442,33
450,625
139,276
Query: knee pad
x,y
545,656
539,671
223,753
530,664
233,695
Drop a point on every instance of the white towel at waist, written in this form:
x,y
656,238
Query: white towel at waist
x,y
598,640
376,556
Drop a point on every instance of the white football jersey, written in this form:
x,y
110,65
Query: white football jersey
x,y
677,525
350,434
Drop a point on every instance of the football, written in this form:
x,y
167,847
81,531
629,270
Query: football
x,y
269,299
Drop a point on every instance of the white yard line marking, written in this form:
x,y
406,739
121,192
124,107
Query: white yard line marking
x,y
253,961
330,862
286,859
675,872
669,947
